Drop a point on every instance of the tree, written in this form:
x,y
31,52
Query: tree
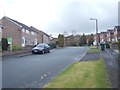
x,y
90,39
83,40
60,40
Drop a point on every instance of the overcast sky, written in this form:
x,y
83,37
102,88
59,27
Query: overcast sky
x,y
59,16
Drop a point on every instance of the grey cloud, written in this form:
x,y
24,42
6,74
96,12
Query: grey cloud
x,y
76,16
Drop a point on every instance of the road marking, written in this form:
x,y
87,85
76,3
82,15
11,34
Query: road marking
x,y
82,56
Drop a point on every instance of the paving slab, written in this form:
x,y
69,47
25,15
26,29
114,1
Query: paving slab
x,y
111,64
91,57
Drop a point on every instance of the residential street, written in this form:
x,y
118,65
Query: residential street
x,y
35,71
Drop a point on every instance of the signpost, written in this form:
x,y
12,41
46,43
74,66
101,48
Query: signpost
x,y
9,39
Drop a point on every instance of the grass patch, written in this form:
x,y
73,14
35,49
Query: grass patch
x,y
93,49
82,75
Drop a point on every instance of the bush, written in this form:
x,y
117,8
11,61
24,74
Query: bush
x,y
4,44
52,45
119,45
16,48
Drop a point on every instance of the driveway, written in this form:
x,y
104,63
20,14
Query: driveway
x,y
35,71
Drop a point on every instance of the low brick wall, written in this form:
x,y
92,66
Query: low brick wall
x,y
24,50
7,53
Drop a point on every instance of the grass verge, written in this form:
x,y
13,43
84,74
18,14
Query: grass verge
x,y
93,49
82,75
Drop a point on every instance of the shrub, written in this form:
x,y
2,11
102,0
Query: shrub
x,y
4,44
119,45
16,48
52,45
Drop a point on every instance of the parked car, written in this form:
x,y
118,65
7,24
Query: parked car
x,y
41,48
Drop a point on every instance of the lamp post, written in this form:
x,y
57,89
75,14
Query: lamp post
x,y
96,30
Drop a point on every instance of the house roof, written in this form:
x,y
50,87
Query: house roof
x,y
19,24
39,31
117,27
110,30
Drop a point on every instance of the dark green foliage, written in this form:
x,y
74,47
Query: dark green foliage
x,y
52,45
4,44
60,40
83,40
90,39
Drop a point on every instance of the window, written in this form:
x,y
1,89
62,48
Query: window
x,y
23,30
27,31
32,33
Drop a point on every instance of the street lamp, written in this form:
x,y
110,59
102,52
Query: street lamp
x,y
96,30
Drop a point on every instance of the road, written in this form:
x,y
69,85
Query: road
x,y
35,71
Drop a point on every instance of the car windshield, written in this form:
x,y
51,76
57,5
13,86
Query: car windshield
x,y
40,45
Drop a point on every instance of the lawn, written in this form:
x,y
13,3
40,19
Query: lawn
x,y
82,75
93,49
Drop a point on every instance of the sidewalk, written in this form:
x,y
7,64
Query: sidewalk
x,y
91,57
111,63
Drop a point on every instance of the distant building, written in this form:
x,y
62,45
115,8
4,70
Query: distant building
x,y
72,40
103,37
110,35
96,39
54,40
116,33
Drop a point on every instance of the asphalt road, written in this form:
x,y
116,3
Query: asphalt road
x,y
35,71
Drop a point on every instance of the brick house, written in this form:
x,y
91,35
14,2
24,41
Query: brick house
x,y
54,40
1,27
39,34
96,39
110,35
72,40
21,34
116,33
103,37
46,38
42,37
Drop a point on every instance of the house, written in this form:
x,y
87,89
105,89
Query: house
x,y
21,34
46,38
69,40
103,37
42,37
39,34
72,40
110,35
96,39
116,33
1,27
54,40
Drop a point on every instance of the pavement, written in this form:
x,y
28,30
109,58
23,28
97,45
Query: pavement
x,y
111,64
91,57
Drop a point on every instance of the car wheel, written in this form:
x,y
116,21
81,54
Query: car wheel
x,y
49,51
43,52
33,52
